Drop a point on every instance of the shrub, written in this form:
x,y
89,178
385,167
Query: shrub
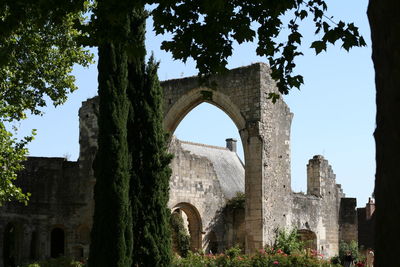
x,y
180,234
237,202
335,260
270,258
288,241
58,262
233,252
352,247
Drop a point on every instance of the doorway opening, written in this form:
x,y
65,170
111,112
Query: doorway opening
x,y
57,242
191,222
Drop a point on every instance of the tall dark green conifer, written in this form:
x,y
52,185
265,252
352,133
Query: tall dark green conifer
x,y
149,190
132,185
149,187
111,237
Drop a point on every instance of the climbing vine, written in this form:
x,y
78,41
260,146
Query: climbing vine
x,y
237,202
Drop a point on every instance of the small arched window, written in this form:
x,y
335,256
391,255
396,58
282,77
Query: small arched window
x,y
10,245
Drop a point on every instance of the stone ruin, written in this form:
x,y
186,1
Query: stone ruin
x,y
58,219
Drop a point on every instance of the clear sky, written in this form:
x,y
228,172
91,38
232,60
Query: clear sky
x,y
334,113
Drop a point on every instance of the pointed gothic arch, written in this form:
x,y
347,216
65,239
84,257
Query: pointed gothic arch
x,y
264,128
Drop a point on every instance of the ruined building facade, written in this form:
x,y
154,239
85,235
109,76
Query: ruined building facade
x,y
59,216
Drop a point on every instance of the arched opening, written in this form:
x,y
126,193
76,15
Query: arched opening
x,y
208,124
180,233
57,242
240,94
192,221
174,115
34,246
309,238
208,132
10,245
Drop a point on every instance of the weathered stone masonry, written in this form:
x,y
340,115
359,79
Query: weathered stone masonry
x,y
264,128
59,215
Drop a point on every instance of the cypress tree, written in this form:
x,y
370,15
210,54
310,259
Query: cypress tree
x,y
149,187
149,190
131,166
111,236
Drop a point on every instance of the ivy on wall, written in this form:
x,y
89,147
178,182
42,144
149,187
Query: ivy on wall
x,y
237,202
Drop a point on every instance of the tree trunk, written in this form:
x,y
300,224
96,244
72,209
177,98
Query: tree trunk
x,y
385,32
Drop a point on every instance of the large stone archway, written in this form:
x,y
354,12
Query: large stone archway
x,y
264,128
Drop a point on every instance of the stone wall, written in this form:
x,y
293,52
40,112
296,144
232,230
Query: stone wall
x,y
195,183
366,225
318,210
366,229
274,130
234,228
264,128
348,220
204,178
58,198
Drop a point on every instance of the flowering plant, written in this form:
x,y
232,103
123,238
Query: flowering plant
x,y
264,258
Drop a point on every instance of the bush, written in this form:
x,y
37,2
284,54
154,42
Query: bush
x,y
233,252
58,262
269,258
352,247
237,202
288,241
335,260
180,234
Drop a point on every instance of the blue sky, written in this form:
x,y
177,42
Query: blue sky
x,y
334,113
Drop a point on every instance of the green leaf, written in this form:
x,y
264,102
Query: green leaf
x,y
318,46
295,37
303,14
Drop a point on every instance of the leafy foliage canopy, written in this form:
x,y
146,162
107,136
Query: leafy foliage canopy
x,y
38,48
206,31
